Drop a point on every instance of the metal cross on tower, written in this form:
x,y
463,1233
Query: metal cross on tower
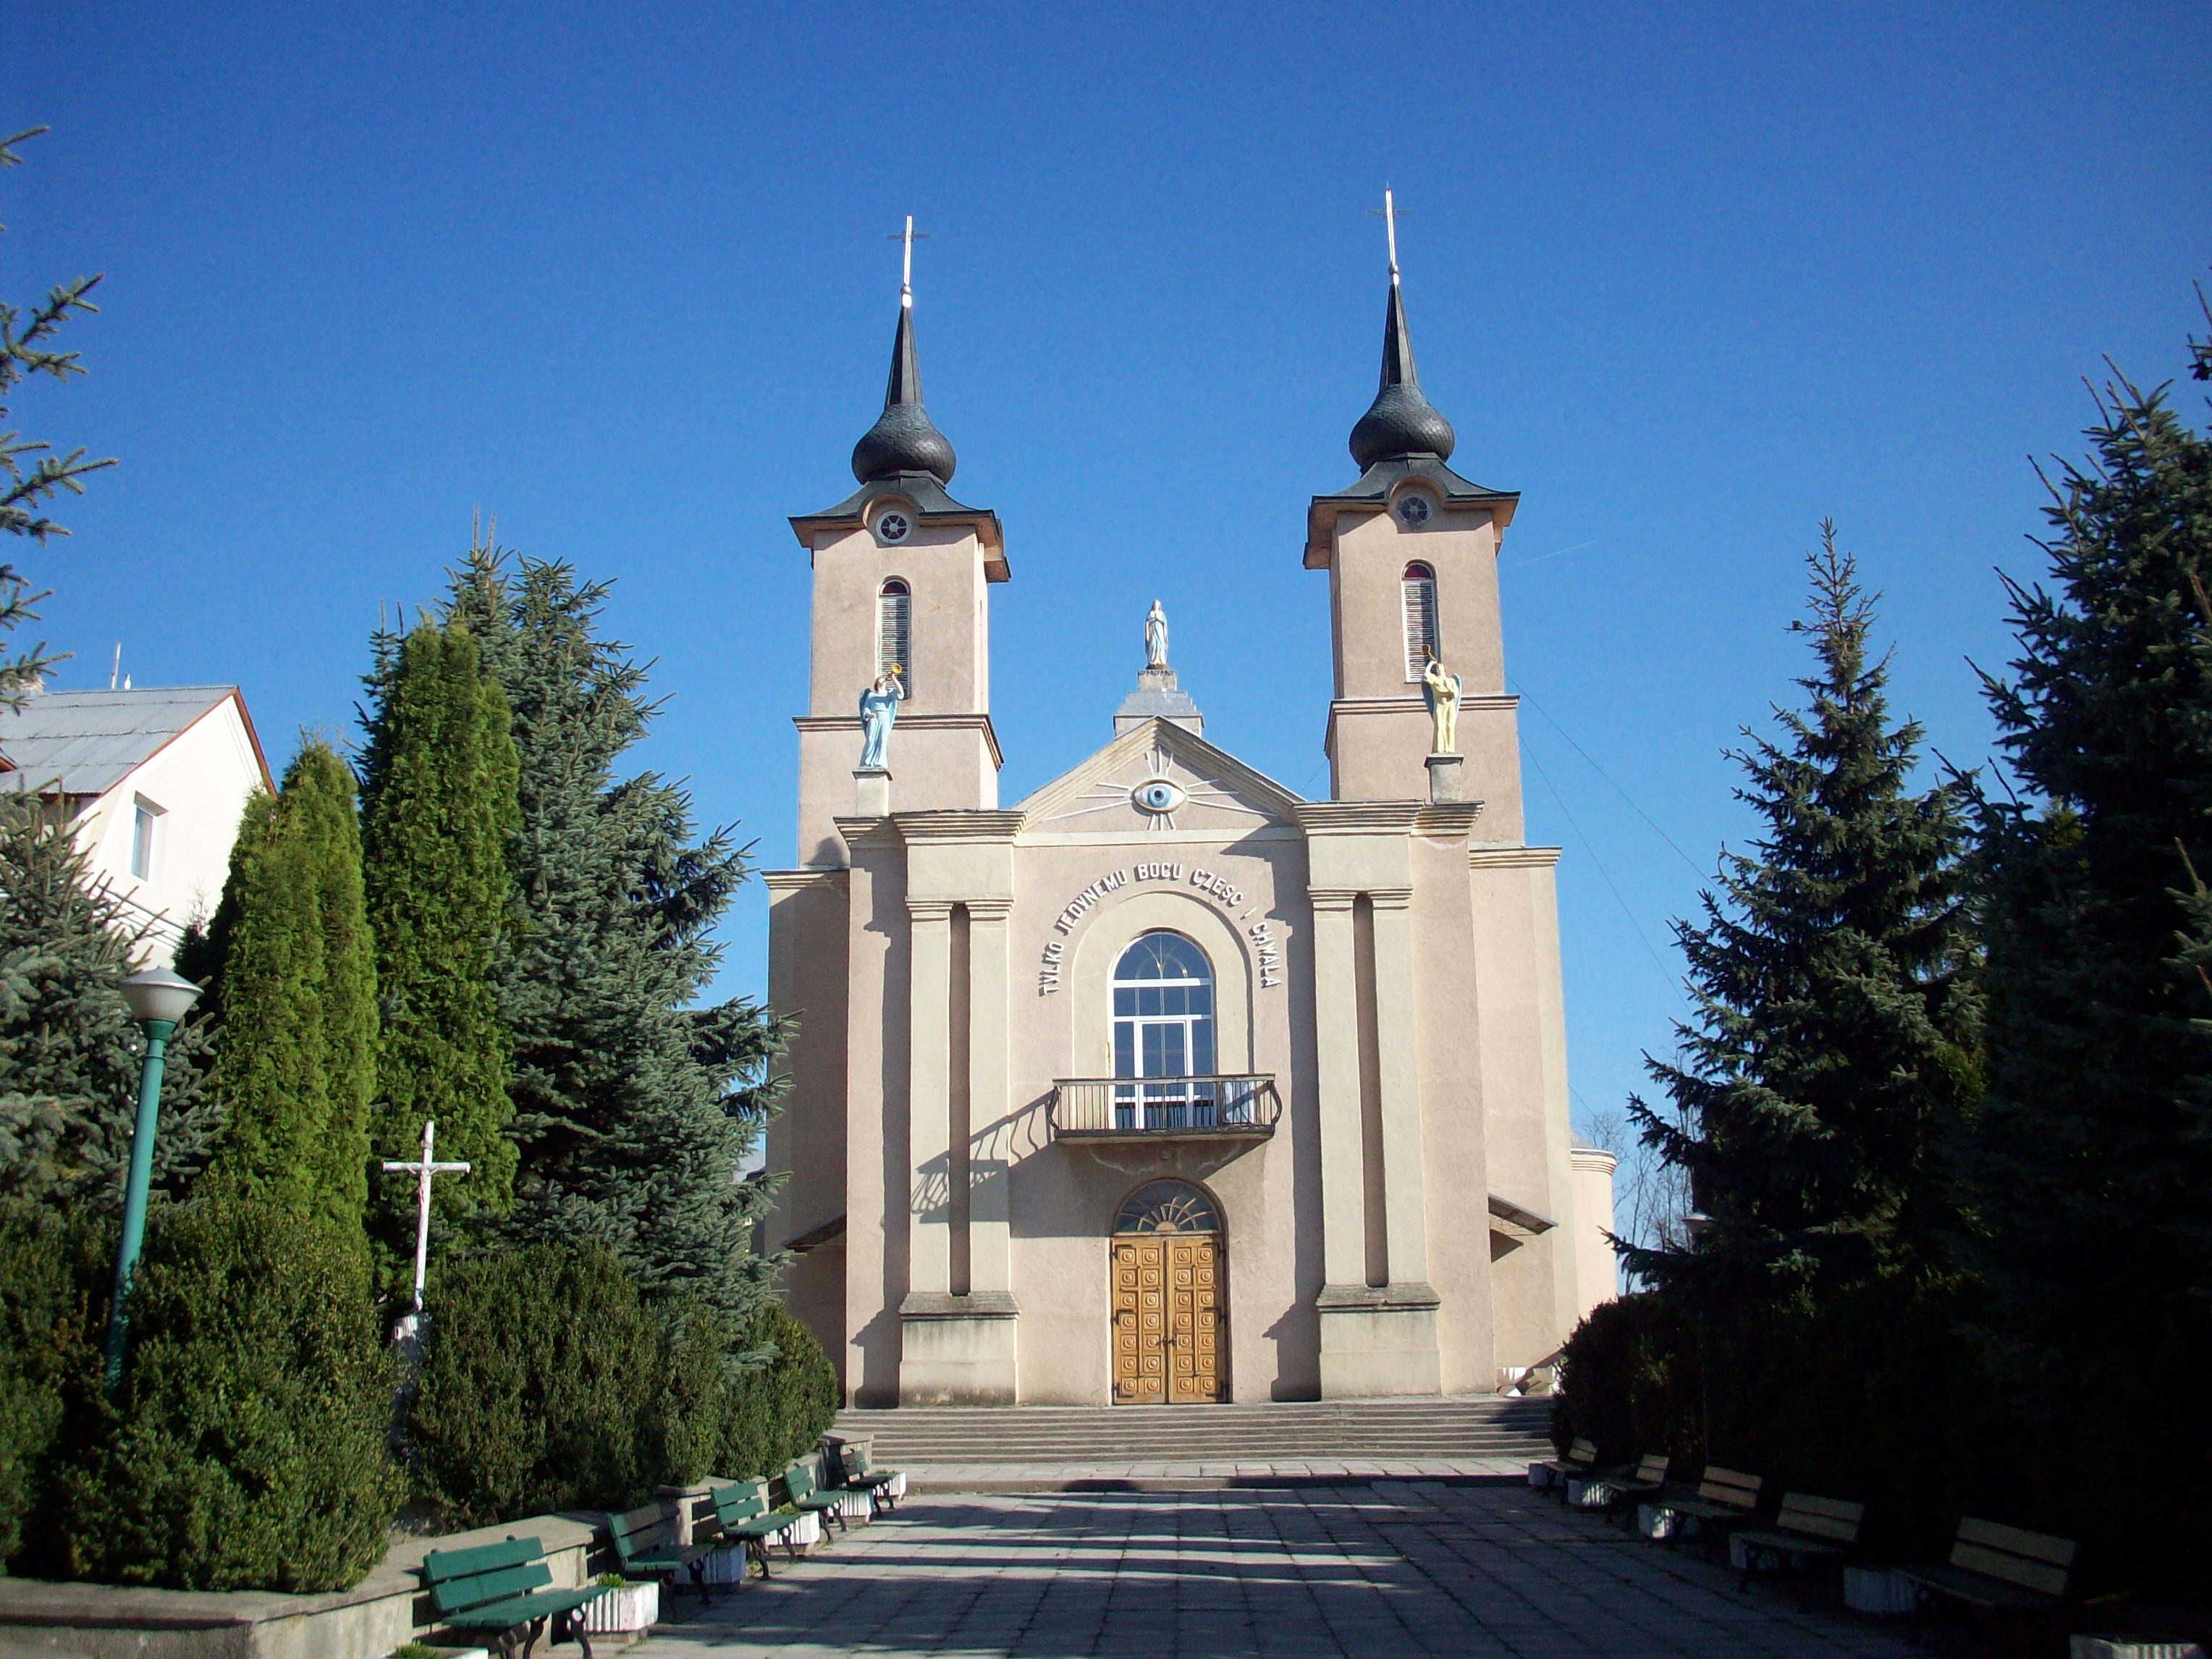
x,y
424,1171
909,236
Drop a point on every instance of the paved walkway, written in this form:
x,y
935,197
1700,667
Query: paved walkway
x,y
1198,1476
1386,1568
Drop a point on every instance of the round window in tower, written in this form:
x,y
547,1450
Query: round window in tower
x,y
893,526
1158,796
1414,510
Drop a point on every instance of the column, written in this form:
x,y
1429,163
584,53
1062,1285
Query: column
x,y
929,1260
1336,1070
1405,1217
989,1085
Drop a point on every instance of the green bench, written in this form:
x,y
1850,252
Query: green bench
x,y
742,1517
809,1498
1997,1571
645,1547
1726,1499
1807,1529
1579,1464
859,1476
503,1591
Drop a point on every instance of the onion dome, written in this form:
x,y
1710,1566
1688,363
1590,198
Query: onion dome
x,y
1400,421
903,439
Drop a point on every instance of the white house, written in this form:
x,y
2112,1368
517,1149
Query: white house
x,y
152,781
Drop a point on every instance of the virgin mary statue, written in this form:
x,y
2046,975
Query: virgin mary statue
x,y
879,708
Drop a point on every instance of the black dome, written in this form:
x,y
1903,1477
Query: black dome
x,y
1400,421
903,439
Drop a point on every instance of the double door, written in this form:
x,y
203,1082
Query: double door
x,y
1167,1319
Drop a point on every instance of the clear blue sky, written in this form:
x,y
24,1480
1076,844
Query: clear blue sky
x,y
1689,278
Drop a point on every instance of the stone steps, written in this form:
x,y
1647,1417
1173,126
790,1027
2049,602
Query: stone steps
x,y
1326,1431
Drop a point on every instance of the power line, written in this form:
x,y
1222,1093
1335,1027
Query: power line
x,y
1600,866
1695,869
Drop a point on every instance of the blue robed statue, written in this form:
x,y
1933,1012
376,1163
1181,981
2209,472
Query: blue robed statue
x,y
879,708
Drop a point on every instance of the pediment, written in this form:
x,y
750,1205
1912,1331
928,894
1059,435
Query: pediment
x,y
1206,790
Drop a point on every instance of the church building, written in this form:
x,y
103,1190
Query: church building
x,y
1165,1085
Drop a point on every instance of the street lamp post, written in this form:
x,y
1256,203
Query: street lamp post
x,y
158,1000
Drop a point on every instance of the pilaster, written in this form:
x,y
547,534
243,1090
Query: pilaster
x,y
1336,1071
989,1090
1399,1054
929,1258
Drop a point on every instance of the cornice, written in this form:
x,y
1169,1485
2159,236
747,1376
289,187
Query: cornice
x,y
1390,899
1357,817
797,881
929,910
1325,900
866,832
1511,858
1447,819
988,909
974,824
911,723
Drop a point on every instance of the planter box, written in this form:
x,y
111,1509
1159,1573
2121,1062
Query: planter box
x,y
633,1606
459,1653
1661,1521
2133,1647
1583,1494
1876,1590
895,1487
804,1532
856,1506
726,1566
1539,1476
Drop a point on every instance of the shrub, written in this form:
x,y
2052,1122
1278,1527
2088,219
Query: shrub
x,y
53,1309
684,1426
779,1410
537,1376
246,1448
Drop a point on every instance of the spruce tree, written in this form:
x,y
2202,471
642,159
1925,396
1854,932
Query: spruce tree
x,y
28,339
70,1051
295,986
1836,1017
439,799
2087,1167
635,1107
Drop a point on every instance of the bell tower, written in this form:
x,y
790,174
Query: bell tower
x,y
1411,549
901,579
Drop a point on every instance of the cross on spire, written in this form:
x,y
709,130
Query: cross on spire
x,y
1390,231
909,236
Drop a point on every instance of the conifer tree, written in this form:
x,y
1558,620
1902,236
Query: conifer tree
x,y
28,339
2087,1164
1836,1017
635,1107
295,985
439,800
68,1048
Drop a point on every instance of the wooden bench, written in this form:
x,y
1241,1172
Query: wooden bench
x,y
1620,1493
742,1517
1580,1461
1996,1571
502,1591
809,1498
860,1476
1807,1530
1726,1499
645,1545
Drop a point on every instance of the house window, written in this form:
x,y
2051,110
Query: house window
x,y
1163,1035
1418,588
145,820
895,632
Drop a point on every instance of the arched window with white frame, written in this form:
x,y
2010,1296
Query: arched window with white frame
x,y
1163,1035
1418,588
895,632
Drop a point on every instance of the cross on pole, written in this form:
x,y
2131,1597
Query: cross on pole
x,y
909,236
424,1170
1389,229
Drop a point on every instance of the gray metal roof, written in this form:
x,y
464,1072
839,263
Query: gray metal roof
x,y
92,740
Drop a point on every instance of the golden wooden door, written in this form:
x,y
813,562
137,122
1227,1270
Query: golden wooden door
x,y
1167,1320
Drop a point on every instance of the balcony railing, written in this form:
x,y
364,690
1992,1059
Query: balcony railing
x,y
1192,1108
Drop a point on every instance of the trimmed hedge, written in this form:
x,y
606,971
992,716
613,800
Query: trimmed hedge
x,y
54,1268
247,1450
549,1382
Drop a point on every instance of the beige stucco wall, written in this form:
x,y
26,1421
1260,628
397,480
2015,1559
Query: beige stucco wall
x,y
1597,1272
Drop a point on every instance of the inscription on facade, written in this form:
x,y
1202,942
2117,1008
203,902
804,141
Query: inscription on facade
x,y
1266,949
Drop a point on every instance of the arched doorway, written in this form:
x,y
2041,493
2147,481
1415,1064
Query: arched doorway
x,y
1169,1265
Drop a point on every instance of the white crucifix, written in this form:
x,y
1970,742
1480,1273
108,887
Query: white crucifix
x,y
910,236
1389,230
424,1171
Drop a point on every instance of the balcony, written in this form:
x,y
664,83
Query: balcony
x,y
1164,1109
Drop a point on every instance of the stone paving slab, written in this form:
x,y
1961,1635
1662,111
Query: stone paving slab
x,y
1394,1567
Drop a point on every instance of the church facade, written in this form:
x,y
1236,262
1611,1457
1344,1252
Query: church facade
x,y
1165,1085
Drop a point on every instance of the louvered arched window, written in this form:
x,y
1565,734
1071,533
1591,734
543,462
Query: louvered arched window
x,y
1419,590
895,632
